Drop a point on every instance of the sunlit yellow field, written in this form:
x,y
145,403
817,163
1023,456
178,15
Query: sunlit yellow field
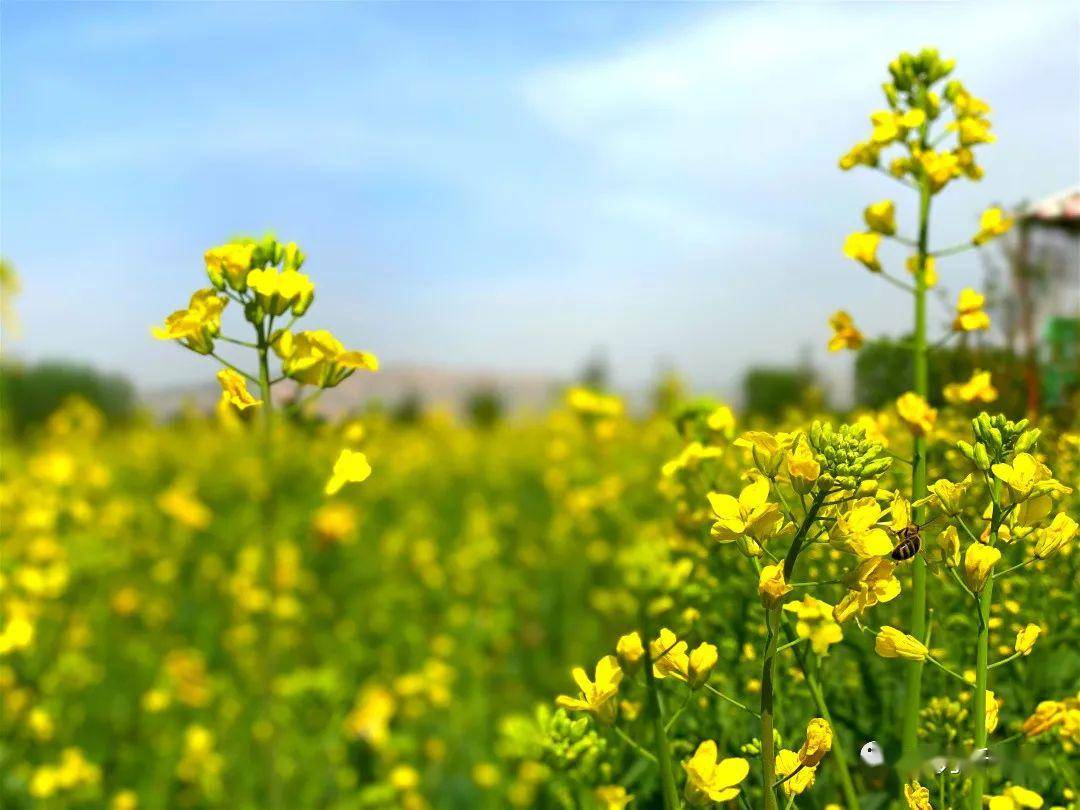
x,y
257,607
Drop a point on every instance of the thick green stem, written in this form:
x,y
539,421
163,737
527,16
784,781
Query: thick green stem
x,y
982,648
660,741
839,755
768,742
269,652
917,624
982,665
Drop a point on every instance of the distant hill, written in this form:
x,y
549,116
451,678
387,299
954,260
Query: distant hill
x,y
436,387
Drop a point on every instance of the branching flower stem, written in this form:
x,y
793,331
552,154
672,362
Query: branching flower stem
x,y
917,626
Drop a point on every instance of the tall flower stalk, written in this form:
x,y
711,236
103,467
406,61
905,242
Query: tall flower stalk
x,y
914,107
264,279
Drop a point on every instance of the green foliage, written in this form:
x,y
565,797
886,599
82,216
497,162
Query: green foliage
x,y
883,372
485,407
770,392
28,394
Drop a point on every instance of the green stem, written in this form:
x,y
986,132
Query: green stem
x,y
669,792
839,754
768,742
730,700
633,744
982,668
917,624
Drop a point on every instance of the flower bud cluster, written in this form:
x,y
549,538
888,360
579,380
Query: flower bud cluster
x,y
847,457
997,439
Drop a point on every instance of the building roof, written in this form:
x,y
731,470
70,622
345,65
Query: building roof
x,y
1062,208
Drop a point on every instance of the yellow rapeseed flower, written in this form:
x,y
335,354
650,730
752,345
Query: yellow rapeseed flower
x,y
351,467
700,663
979,561
198,325
1015,797
1056,536
229,264
814,621
709,780
917,796
870,583
669,656
751,514
862,247
893,643
772,587
845,334
597,696
881,217
234,390
278,291
970,315
788,763
612,797
818,743
630,652
916,413
992,224
929,269
977,389
1025,639
318,358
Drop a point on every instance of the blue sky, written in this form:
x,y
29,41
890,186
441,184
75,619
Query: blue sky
x,y
505,186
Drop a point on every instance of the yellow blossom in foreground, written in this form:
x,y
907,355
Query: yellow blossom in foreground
x,y
978,389
234,390
772,588
708,780
970,316
893,643
979,561
881,217
750,514
669,656
862,247
814,620
803,468
1056,536
700,663
767,449
1027,475
916,413
818,743
198,325
1025,639
278,291
351,467
630,652
938,167
612,797
872,582
788,763
318,358
857,531
948,545
845,334
992,223
917,796
597,696
947,495
1015,797
229,263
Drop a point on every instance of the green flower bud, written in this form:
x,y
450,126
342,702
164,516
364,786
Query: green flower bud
x,y
982,458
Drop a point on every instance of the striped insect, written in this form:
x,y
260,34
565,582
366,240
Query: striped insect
x,y
908,542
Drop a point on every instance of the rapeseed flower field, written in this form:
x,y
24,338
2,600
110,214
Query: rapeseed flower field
x,y
258,608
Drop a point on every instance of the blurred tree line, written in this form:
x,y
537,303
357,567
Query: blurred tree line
x,y
28,394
